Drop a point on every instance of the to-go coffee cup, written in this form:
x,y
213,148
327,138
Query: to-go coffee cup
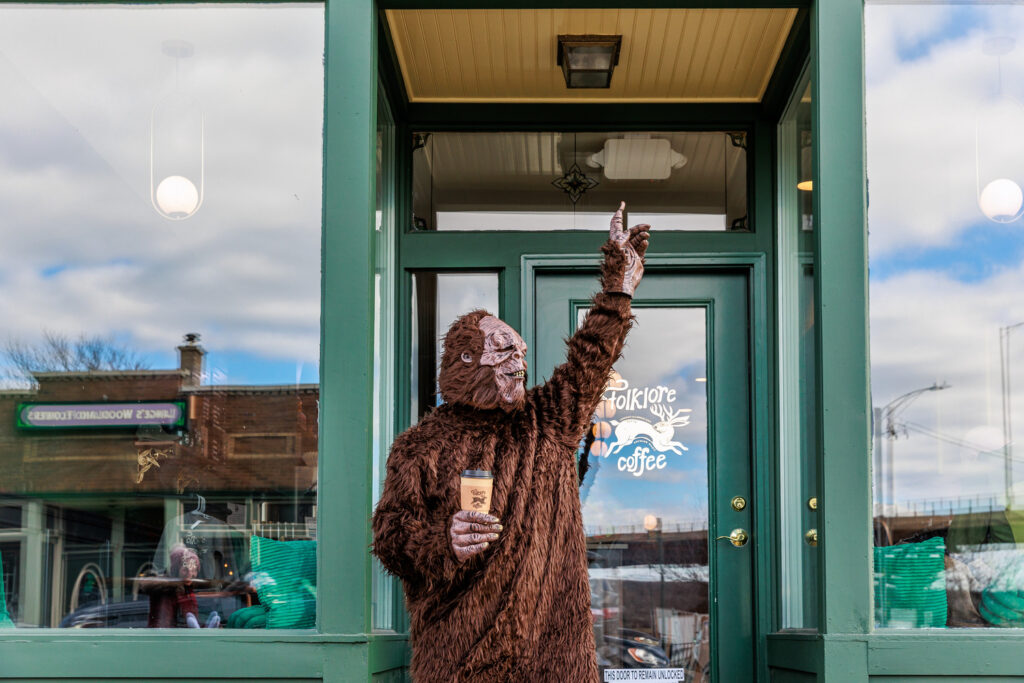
x,y
476,490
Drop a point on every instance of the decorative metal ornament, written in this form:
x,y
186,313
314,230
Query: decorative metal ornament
x,y
738,138
574,183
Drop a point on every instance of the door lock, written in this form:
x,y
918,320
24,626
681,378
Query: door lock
x,y
738,503
738,538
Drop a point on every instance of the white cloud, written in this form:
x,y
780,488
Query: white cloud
x,y
922,115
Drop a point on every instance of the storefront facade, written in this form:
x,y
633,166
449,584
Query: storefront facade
x,y
757,501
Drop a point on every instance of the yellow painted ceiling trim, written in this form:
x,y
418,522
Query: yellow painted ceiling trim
x,y
668,55
592,100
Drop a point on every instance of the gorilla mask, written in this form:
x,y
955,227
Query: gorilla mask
x,y
484,364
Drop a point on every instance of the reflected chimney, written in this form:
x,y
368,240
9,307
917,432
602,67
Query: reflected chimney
x,y
190,355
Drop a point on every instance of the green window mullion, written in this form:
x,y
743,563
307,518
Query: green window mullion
x,y
350,134
841,312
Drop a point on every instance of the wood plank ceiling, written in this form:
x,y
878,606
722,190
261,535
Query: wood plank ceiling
x,y
668,55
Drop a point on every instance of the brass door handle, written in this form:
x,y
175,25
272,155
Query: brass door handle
x,y
738,538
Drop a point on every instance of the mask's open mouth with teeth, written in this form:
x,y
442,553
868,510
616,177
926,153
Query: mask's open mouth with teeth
x,y
518,373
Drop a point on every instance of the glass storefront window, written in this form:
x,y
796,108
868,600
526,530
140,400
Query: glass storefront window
x,y
797,371
161,171
567,181
438,299
947,342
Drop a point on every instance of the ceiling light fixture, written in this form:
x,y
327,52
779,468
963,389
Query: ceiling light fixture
x,y
637,157
587,61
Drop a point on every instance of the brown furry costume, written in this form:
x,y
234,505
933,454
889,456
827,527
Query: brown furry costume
x,y
519,610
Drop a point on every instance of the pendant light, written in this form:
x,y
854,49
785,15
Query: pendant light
x,y
998,173
177,145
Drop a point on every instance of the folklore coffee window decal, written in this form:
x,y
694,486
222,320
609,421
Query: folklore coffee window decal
x,y
636,426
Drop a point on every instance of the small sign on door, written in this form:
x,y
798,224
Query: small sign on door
x,y
664,675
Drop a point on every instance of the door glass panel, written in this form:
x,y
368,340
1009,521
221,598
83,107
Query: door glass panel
x,y
645,499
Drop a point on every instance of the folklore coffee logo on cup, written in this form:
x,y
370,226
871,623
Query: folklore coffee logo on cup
x,y
475,490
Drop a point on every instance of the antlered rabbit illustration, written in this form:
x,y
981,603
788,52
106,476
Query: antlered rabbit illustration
x,y
660,433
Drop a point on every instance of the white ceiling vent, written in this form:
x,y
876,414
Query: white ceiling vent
x,y
637,158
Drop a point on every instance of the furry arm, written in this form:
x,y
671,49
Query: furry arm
x,y
570,397
411,534
567,400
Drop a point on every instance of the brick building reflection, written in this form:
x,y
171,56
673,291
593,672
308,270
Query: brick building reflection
x,y
85,510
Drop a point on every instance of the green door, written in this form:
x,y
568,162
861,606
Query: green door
x,y
669,460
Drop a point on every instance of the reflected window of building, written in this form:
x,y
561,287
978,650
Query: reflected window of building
x,y
567,181
161,174
947,319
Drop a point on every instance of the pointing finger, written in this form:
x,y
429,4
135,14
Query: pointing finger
x,y
616,230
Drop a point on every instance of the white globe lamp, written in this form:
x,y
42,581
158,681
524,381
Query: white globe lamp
x,y
1001,200
177,197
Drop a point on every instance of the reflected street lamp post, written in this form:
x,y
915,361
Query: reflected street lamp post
x,y
1004,367
885,422
653,525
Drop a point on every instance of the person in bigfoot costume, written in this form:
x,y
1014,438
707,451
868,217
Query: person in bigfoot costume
x,y
504,597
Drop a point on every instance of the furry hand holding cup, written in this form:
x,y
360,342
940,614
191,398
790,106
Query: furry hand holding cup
x,y
473,528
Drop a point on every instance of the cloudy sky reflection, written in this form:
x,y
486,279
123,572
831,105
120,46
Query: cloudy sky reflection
x,y
944,278
85,251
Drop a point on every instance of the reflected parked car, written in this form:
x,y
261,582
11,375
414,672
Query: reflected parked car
x,y
130,614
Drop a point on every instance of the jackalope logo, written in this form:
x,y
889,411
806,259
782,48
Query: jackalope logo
x,y
650,440
479,498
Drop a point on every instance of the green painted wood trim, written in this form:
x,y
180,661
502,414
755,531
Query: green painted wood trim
x,y
590,4
841,313
788,68
568,116
109,657
844,661
389,653
795,651
347,316
389,70
959,653
503,249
